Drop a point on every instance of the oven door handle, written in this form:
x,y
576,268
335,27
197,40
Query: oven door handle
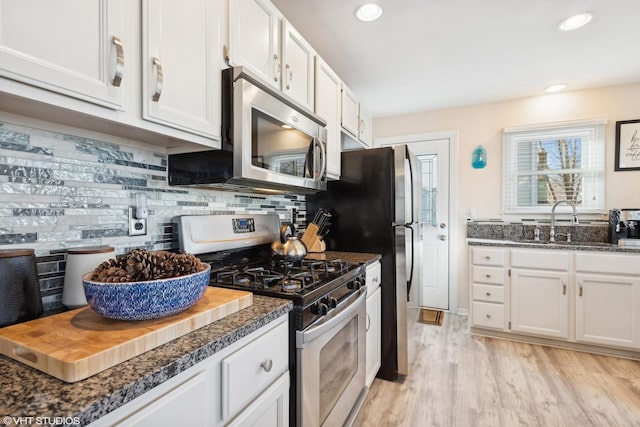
x,y
343,311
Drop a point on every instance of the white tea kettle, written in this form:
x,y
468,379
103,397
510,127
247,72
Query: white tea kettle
x,y
289,248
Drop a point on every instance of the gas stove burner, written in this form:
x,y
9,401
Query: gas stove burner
x,y
292,284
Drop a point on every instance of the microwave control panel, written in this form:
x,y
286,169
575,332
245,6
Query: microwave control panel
x,y
243,225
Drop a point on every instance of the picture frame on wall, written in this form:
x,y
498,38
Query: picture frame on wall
x,y
627,145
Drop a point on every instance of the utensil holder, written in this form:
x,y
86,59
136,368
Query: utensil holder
x,y
81,261
20,298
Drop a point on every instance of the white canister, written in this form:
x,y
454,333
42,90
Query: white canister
x,y
81,261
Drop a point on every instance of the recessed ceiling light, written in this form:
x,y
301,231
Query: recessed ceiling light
x,y
556,88
574,22
368,12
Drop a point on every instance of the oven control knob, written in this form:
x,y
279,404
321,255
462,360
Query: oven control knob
x,y
330,302
355,284
320,308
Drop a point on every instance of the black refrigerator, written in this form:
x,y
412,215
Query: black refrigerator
x,y
376,209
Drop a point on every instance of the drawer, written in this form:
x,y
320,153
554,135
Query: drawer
x,y
493,275
488,315
488,293
487,256
540,259
373,277
590,262
251,369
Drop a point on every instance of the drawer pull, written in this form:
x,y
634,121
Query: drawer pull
x,y
487,257
488,276
267,365
488,294
488,316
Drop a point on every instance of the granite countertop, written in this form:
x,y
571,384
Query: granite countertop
x,y
574,246
355,257
27,392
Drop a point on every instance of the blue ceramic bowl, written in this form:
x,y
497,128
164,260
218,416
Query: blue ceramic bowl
x,y
149,299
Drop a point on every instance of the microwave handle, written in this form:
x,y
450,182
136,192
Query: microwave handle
x,y
323,153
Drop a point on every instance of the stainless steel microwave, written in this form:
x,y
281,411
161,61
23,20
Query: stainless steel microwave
x,y
269,142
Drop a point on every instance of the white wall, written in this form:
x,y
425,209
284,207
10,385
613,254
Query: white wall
x,y
480,189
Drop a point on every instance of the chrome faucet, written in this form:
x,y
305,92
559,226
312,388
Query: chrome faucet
x,y
574,218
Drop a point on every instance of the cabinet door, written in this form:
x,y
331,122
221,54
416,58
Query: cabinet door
x,y
539,303
349,111
298,71
187,404
328,107
373,358
608,310
181,68
72,47
365,133
254,38
270,409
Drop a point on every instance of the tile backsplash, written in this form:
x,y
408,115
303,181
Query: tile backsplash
x,y
59,191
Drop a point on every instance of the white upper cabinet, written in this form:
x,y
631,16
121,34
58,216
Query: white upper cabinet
x,y
365,133
298,69
327,100
254,38
349,111
182,58
262,40
71,47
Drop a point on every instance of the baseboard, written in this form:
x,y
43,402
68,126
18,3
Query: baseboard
x,y
463,311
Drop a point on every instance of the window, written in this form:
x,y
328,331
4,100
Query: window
x,y
547,163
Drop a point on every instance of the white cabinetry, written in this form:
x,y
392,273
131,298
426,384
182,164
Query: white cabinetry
x,y
263,41
327,99
487,287
608,299
539,292
373,327
247,383
356,120
72,47
181,67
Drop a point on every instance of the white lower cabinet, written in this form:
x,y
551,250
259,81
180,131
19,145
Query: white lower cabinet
x,y
487,274
539,303
373,357
245,384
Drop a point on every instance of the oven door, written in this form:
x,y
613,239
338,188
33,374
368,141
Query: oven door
x,y
275,142
331,364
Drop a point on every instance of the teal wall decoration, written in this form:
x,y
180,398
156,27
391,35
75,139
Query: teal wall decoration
x,y
479,157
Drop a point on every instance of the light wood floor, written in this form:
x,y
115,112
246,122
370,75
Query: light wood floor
x,y
461,380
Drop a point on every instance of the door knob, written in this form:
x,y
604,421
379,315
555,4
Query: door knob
x,y
443,225
443,237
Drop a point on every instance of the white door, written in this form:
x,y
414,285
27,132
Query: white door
x,y
434,223
71,47
254,38
181,68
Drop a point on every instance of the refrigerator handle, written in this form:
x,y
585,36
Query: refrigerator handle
x,y
412,220
413,259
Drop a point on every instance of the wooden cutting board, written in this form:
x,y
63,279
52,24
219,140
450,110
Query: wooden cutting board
x,y
79,343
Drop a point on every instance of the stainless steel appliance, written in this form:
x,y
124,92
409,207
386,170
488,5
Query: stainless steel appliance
x,y
327,341
624,227
376,208
269,142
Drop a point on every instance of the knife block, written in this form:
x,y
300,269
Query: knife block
x,y
311,240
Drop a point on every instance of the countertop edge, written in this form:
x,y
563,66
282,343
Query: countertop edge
x,y
600,247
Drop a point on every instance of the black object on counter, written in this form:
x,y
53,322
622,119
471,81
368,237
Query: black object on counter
x,y
20,298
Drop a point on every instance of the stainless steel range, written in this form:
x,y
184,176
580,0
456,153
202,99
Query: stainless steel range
x,y
327,345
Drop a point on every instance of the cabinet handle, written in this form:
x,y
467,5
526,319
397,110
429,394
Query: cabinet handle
x,y
488,276
289,75
159,80
487,257
376,280
267,365
488,316
564,287
367,323
117,77
488,294
580,287
276,68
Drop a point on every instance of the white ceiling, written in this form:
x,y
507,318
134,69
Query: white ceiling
x,y
432,54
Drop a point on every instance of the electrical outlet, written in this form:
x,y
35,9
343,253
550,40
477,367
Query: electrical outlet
x,y
137,227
